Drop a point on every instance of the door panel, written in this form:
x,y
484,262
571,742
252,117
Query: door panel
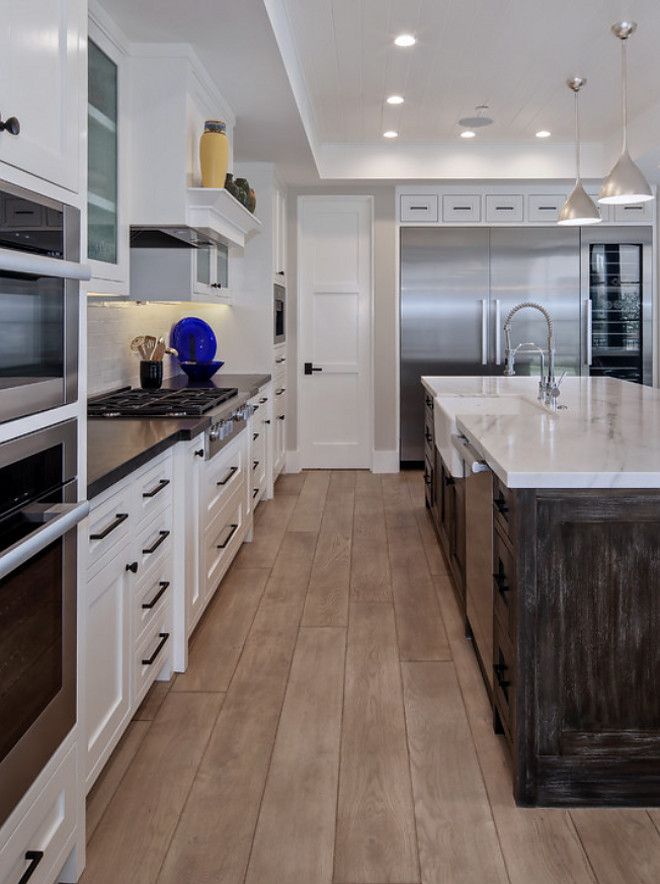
x,y
335,414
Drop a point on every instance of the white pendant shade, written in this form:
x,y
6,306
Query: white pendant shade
x,y
625,184
579,208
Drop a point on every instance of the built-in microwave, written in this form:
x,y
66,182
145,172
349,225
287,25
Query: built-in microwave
x,y
279,304
40,275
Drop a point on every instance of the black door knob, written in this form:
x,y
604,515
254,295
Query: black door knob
x,y
10,125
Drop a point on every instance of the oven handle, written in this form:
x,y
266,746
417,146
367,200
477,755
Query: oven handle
x,y
42,265
65,517
470,457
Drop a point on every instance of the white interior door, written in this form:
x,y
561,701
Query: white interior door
x,y
334,310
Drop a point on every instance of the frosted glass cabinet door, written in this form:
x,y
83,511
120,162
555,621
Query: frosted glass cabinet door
x,y
107,227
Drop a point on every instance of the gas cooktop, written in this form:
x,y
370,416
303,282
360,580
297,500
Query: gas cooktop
x,y
186,402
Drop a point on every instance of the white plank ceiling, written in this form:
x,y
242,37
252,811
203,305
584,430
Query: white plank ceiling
x,y
513,55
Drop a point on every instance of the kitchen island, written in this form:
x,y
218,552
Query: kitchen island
x,y
570,652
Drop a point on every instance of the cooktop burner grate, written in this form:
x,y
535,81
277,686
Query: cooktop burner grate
x,y
159,403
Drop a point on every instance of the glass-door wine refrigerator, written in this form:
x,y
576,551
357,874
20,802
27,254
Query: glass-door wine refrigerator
x,y
617,281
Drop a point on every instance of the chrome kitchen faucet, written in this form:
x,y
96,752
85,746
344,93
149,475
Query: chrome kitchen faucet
x,y
548,385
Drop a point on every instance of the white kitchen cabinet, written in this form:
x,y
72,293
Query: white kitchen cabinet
x,y
42,69
638,212
43,835
259,431
461,207
107,155
506,208
279,234
187,274
279,413
419,207
128,603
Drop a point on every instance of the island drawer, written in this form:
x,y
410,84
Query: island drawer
x,y
504,681
504,583
504,503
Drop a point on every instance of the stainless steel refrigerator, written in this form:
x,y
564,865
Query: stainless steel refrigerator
x,y
457,286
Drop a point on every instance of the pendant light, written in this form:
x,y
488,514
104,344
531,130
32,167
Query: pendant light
x,y
625,184
578,208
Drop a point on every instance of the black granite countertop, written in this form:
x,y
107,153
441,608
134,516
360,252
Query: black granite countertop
x,y
117,447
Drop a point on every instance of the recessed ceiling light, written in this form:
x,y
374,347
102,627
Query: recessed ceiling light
x,y
405,40
390,134
468,134
543,134
395,99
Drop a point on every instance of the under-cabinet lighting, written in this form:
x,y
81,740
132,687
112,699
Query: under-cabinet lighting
x,y
395,99
390,134
468,134
543,134
405,40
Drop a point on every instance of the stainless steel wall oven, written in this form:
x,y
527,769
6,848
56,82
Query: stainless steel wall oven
x,y
279,299
40,278
38,518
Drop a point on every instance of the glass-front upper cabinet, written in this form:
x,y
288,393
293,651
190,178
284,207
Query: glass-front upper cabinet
x,y
107,232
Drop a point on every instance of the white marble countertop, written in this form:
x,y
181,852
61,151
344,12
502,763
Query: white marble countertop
x,y
608,436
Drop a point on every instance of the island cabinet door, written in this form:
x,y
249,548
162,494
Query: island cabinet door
x,y
595,619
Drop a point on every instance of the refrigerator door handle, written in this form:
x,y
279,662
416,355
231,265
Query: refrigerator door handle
x,y
589,331
484,331
498,341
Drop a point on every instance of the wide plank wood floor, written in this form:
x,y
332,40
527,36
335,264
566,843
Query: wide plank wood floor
x,y
333,728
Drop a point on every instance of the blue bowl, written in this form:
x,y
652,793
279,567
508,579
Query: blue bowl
x,y
200,371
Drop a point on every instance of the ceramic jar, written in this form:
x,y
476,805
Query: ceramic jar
x,y
214,153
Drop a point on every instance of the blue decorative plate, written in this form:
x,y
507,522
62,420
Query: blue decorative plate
x,y
193,339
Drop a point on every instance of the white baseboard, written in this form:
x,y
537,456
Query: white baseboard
x,y
384,461
292,462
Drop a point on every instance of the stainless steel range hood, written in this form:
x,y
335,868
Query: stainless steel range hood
x,y
210,217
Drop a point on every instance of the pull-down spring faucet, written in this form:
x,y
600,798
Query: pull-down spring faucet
x,y
548,386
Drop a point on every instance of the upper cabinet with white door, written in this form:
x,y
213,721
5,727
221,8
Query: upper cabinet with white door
x,y
42,68
107,167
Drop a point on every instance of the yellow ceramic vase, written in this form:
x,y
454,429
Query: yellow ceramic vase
x,y
214,153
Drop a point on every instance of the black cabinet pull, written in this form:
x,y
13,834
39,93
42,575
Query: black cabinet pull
x,y
427,478
500,503
163,638
199,453
232,471
448,480
162,536
500,580
280,360
234,528
500,669
254,408
281,417
255,436
267,422
154,491
119,518
255,464
254,493
163,586
429,402
263,399
428,436
12,126
280,391
34,857
132,567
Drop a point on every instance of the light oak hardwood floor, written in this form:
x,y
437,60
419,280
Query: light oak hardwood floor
x,y
333,728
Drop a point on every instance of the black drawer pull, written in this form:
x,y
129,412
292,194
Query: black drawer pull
x,y
255,464
199,453
119,518
234,528
34,857
255,436
500,503
548,208
419,208
504,208
163,638
500,580
280,391
154,491
280,360
448,480
427,478
267,422
162,536
462,208
429,402
428,436
147,606
281,417
262,400
232,471
132,567
500,669
254,493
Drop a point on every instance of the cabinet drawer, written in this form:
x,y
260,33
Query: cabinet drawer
x,y
152,594
504,502
109,526
225,473
46,827
504,583
542,207
151,653
636,212
222,540
154,542
154,487
461,208
504,208
504,681
419,208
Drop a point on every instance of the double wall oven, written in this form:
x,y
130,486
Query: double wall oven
x,y
40,278
38,517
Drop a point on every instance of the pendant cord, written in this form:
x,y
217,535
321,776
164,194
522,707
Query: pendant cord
x,y
577,140
624,96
